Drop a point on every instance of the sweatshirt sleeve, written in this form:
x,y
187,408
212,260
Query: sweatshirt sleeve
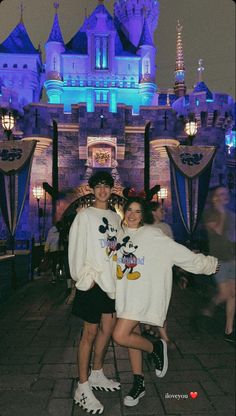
x,y
77,245
192,262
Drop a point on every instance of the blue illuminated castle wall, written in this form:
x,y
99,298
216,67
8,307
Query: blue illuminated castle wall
x,y
102,89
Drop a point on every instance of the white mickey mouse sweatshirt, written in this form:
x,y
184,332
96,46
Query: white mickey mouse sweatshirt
x,y
144,272
92,243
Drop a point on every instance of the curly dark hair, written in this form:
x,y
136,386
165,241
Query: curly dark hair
x,y
101,177
147,217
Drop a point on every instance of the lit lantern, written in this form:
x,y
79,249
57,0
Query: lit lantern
x,y
8,123
162,194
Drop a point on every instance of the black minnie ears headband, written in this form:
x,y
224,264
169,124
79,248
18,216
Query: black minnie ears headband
x,y
132,193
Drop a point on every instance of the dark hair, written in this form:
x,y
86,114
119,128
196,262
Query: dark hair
x,y
147,217
101,177
212,192
58,225
154,205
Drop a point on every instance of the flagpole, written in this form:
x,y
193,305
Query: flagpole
x,y
147,159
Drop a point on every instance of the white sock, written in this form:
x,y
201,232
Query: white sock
x,y
97,371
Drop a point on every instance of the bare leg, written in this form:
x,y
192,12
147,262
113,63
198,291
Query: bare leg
x,y
226,293
85,350
135,356
106,327
230,307
124,335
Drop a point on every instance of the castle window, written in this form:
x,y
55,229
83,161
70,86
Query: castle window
x,y
101,96
5,66
15,66
101,52
25,66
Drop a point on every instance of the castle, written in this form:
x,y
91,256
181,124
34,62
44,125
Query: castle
x,y
102,90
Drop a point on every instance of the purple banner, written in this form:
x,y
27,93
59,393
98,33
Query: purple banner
x,y
15,166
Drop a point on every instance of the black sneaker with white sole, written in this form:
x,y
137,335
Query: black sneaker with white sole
x,y
137,391
159,357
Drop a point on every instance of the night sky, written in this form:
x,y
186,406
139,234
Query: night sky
x,y
209,33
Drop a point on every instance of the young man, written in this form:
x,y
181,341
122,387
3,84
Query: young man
x,y
92,243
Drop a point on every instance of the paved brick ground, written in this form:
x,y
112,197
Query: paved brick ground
x,y
38,339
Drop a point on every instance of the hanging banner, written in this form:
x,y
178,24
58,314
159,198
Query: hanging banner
x,y
15,166
190,171
191,160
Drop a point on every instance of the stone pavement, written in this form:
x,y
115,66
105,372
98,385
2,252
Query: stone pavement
x,y
38,339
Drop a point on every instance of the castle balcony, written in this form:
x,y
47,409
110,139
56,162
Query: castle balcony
x,y
42,143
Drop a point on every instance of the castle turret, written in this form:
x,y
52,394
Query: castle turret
x,y
180,87
131,15
20,66
147,52
54,48
201,90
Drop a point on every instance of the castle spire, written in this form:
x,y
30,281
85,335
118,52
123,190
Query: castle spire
x,y
56,5
21,7
55,35
145,38
180,87
200,70
131,15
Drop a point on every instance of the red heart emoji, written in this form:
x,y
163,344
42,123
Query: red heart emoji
x,y
193,394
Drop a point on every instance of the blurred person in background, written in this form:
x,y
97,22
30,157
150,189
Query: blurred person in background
x,y
54,249
220,225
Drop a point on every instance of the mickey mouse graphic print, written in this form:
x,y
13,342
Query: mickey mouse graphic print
x,y
92,245
145,257
110,239
128,262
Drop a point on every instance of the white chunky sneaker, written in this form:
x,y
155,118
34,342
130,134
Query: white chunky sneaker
x,y
85,398
98,381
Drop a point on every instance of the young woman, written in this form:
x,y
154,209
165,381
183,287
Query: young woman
x,y
145,257
220,225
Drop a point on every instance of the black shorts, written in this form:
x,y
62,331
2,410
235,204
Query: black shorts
x,y
89,305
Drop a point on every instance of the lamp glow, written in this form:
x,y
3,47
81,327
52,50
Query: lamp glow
x,y
230,140
191,128
163,193
37,192
8,121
